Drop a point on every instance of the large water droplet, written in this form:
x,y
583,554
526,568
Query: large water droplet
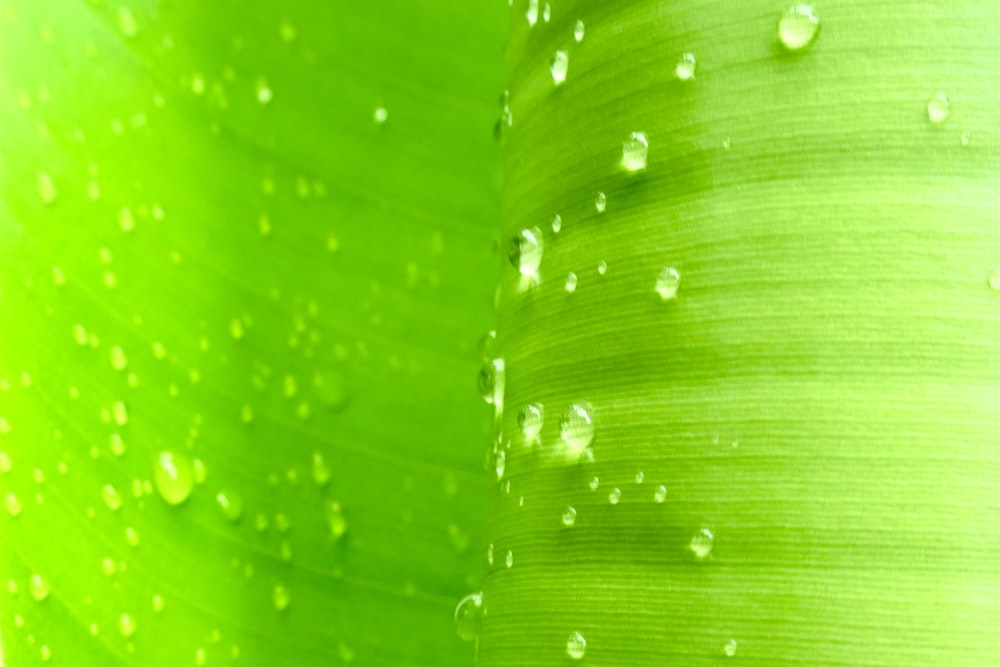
x,y
469,616
530,420
730,648
569,516
532,13
938,108
126,625
702,543
571,281
578,31
576,646
798,27
634,151
667,283
577,427
660,494
686,66
525,251
559,66
174,477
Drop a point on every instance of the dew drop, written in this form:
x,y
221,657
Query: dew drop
x,y
46,187
594,483
126,625
119,413
602,268
577,427
730,648
576,646
126,22
525,251
571,282
660,494
264,92
116,444
686,66
798,27
380,115
578,31
559,66
938,108
111,497
640,477
601,202
500,463
335,519
546,12
532,13
174,477
490,382
634,151
615,496
38,587
509,559
280,597
569,516
667,283
993,281
231,504
530,420
320,469
118,359
158,603
557,223
132,536
469,616
702,543
5,463
12,504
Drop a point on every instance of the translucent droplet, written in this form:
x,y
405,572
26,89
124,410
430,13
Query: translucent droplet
x,y
264,92
287,30
320,470
615,496
174,477
993,281
938,108
730,648
45,652
5,463
111,497
500,463
966,138
12,504
546,12
281,597
109,566
126,220
530,420
46,187
532,13
380,115
702,543
119,413
126,22
578,31
231,504
118,359
594,483
525,251
158,603
667,283
660,494
560,63
509,559
490,381
335,519
686,66
132,536
634,151
576,646
38,587
602,268
469,616
569,516
577,427
571,281
640,477
126,625
601,202
798,27
557,223
116,444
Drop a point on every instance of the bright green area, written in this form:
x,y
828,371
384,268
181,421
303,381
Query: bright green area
x,y
210,245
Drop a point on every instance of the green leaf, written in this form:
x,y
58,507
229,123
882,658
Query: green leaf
x,y
213,243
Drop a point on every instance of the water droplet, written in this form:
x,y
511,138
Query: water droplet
x,y
601,202
594,483
667,283
569,516
380,115
532,13
109,566
966,138
264,92
38,587
798,27
231,504
686,66
111,497
702,543
469,616
489,554
12,504
491,381
509,559
730,648
546,12
45,652
132,536
158,603
119,413
174,477
660,494
560,63
126,625
602,268
993,281
571,282
287,30
5,463
126,22
500,463
335,519
634,151
578,31
281,598
46,187
530,420
640,477
938,108
577,427
116,444
615,496
118,359
525,251
320,470
557,223
576,646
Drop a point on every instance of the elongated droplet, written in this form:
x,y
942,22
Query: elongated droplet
x,y
530,420
38,587
798,27
559,66
577,427
667,283
994,280
702,543
525,251
601,202
938,108
660,494
571,282
634,152
532,13
578,31
569,516
173,475
469,616
730,648
281,597
615,496
576,646
686,66
126,625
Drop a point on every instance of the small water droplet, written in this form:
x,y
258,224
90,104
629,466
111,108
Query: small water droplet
x,y
111,497
132,536
640,477
231,504
559,66
5,463
126,22
281,597
119,413
264,92
469,616
380,115
601,202
577,427
667,283
126,625
530,420
500,463
525,251
798,27
287,30
546,12
509,559
938,108
118,359
571,282
569,516
336,520
730,648
557,223
634,152
158,603
320,470
993,281
660,494
491,381
614,496
46,187
594,483
578,31
45,652
602,268
702,543
576,646
532,13
12,504
38,587
686,66
489,554
174,477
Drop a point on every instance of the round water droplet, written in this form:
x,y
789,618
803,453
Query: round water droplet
x,y
469,616
5,463
335,519
702,543
174,477
111,497
730,648
578,31
571,282
119,413
126,625
532,13
558,67
488,346
158,603
380,115
686,66
264,92
231,504
509,559
594,483
490,382
525,251
601,202
281,597
602,268
530,420
798,27
640,477
615,496
500,463
938,108
576,646
557,223
132,536
577,427
660,494
993,281
38,587
634,152
667,283
12,504
320,470
569,516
